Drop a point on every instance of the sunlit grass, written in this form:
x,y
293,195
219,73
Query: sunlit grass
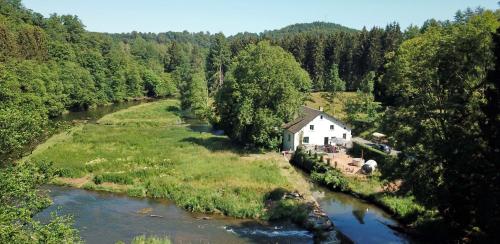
x,y
337,108
148,149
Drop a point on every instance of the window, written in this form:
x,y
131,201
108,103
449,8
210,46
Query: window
x,y
311,127
289,137
305,139
345,136
321,116
331,127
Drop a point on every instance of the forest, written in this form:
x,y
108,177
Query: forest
x,y
434,88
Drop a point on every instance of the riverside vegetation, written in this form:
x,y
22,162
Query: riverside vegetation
x,y
147,150
432,88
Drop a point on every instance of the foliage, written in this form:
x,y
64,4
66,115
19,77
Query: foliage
x,y
320,171
289,209
218,61
199,171
335,83
49,65
150,240
369,152
332,179
265,87
21,199
438,80
193,86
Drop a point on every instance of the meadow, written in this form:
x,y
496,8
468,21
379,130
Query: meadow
x,y
148,151
337,108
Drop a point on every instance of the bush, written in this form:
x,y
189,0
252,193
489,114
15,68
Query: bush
x,y
370,153
98,179
288,208
319,170
117,178
69,173
332,178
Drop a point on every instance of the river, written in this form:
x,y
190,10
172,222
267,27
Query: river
x,y
108,218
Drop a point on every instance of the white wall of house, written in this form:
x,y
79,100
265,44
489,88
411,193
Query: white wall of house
x,y
316,135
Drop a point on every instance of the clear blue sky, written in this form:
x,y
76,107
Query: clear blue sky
x,y
233,16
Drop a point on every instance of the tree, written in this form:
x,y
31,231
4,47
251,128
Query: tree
x,y
367,84
217,62
21,199
193,86
315,60
265,88
439,80
334,84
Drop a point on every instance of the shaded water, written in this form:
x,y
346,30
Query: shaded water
x,y
360,221
108,218
94,114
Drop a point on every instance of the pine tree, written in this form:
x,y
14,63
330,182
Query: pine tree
x,y
217,62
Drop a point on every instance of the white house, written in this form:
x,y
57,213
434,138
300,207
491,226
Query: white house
x,y
314,127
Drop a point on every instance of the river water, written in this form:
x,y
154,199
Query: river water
x,y
360,221
108,218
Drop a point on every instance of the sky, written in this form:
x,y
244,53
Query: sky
x,y
233,16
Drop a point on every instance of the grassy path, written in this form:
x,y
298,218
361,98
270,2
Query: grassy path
x,y
146,150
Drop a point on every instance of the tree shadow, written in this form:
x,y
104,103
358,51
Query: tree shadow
x,y
175,110
218,144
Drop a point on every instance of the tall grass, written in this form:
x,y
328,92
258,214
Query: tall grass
x,y
149,149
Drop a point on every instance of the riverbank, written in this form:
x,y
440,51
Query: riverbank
x,y
371,189
147,151
103,217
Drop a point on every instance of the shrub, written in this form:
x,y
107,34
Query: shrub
x,y
319,170
370,153
118,178
98,179
288,208
69,173
332,178
150,240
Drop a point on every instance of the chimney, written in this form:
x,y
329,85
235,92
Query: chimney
x,y
321,108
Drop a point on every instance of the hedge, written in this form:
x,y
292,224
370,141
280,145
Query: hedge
x,y
380,157
319,170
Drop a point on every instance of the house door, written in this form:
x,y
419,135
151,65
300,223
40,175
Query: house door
x,y
326,141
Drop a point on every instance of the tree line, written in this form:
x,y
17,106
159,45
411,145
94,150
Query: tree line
x,y
439,82
49,65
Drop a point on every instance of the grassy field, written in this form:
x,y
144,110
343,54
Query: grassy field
x,y
147,150
337,108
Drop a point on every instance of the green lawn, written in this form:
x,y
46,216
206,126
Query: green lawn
x,y
146,150
337,108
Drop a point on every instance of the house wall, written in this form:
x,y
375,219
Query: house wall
x,y
316,136
321,130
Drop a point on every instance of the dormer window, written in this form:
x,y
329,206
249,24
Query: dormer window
x,y
311,127
321,116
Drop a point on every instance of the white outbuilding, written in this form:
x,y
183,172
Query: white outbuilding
x,y
315,127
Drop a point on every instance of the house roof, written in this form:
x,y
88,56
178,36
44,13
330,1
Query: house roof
x,y
307,115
